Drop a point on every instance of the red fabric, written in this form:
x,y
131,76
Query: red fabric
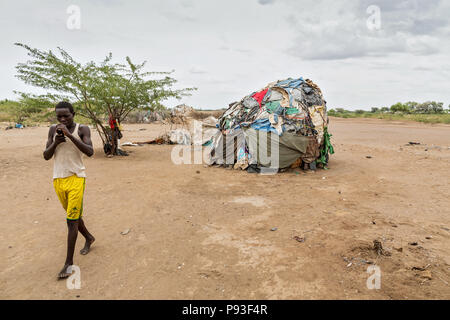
x,y
259,96
112,122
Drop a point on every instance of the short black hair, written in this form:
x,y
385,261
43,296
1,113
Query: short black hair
x,y
65,105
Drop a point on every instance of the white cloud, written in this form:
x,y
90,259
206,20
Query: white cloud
x,y
338,30
231,48
197,70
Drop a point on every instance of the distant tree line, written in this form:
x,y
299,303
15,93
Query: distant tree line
x,y
411,107
24,108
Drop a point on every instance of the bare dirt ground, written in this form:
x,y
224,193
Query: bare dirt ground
x,y
205,233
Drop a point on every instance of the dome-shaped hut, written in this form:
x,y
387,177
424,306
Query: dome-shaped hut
x,y
282,125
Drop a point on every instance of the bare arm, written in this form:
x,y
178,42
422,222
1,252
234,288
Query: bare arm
x,y
85,144
52,143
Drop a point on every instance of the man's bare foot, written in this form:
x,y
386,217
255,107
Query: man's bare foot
x,y
64,273
87,246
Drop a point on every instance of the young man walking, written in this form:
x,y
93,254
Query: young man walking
x,y
67,141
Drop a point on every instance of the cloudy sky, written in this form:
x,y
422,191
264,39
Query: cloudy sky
x,y
228,49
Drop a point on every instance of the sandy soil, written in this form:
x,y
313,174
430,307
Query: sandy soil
x,y
205,233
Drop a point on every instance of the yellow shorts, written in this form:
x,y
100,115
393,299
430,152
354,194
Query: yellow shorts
x,y
70,192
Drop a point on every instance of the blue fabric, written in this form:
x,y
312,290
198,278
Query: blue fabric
x,y
235,128
207,143
263,125
289,85
241,153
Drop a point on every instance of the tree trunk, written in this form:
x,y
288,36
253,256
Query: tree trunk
x,y
114,144
114,140
109,138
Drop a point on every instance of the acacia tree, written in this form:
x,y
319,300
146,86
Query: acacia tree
x,y
101,91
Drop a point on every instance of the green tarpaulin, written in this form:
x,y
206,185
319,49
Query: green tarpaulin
x,y
290,147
